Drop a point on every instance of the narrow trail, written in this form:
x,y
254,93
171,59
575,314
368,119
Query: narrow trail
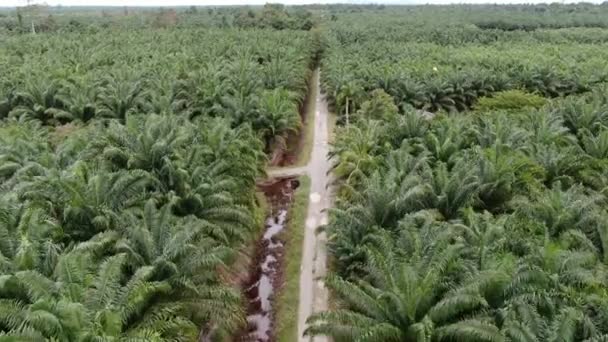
x,y
313,294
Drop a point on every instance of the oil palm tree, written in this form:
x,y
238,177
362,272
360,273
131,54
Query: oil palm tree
x,y
357,152
595,145
152,143
585,113
278,117
27,239
79,99
239,151
450,191
548,128
411,125
561,285
85,301
183,252
347,98
562,210
494,130
440,95
200,93
408,297
119,96
500,173
84,202
9,101
406,90
279,73
242,94
483,233
24,152
38,100
161,97
524,323
564,165
207,194
386,200
446,138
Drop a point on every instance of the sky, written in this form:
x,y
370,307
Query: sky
x,y
12,3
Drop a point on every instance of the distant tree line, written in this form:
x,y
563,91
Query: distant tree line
x,y
275,16
37,19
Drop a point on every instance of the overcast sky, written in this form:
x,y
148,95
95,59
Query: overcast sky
x,y
241,2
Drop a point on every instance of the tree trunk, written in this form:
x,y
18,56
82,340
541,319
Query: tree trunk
x,y
347,118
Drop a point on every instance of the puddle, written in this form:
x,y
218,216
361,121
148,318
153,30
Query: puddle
x,y
266,276
274,225
262,323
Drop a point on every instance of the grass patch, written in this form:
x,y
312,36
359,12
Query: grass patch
x,y
510,100
261,212
286,301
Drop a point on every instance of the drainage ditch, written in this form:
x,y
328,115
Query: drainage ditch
x,y
267,275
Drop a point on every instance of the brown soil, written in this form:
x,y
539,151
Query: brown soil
x,y
278,191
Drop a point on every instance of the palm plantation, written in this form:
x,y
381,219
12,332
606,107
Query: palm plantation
x,y
128,187
469,166
483,221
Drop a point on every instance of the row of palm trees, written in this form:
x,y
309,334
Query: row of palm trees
x,y
118,231
128,165
455,25
401,55
190,72
475,227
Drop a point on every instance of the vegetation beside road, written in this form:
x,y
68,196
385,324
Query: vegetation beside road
x,y
128,175
467,225
287,299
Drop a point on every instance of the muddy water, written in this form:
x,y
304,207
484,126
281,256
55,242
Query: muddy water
x,y
267,275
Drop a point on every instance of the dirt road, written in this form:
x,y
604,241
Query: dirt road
x,y
313,295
